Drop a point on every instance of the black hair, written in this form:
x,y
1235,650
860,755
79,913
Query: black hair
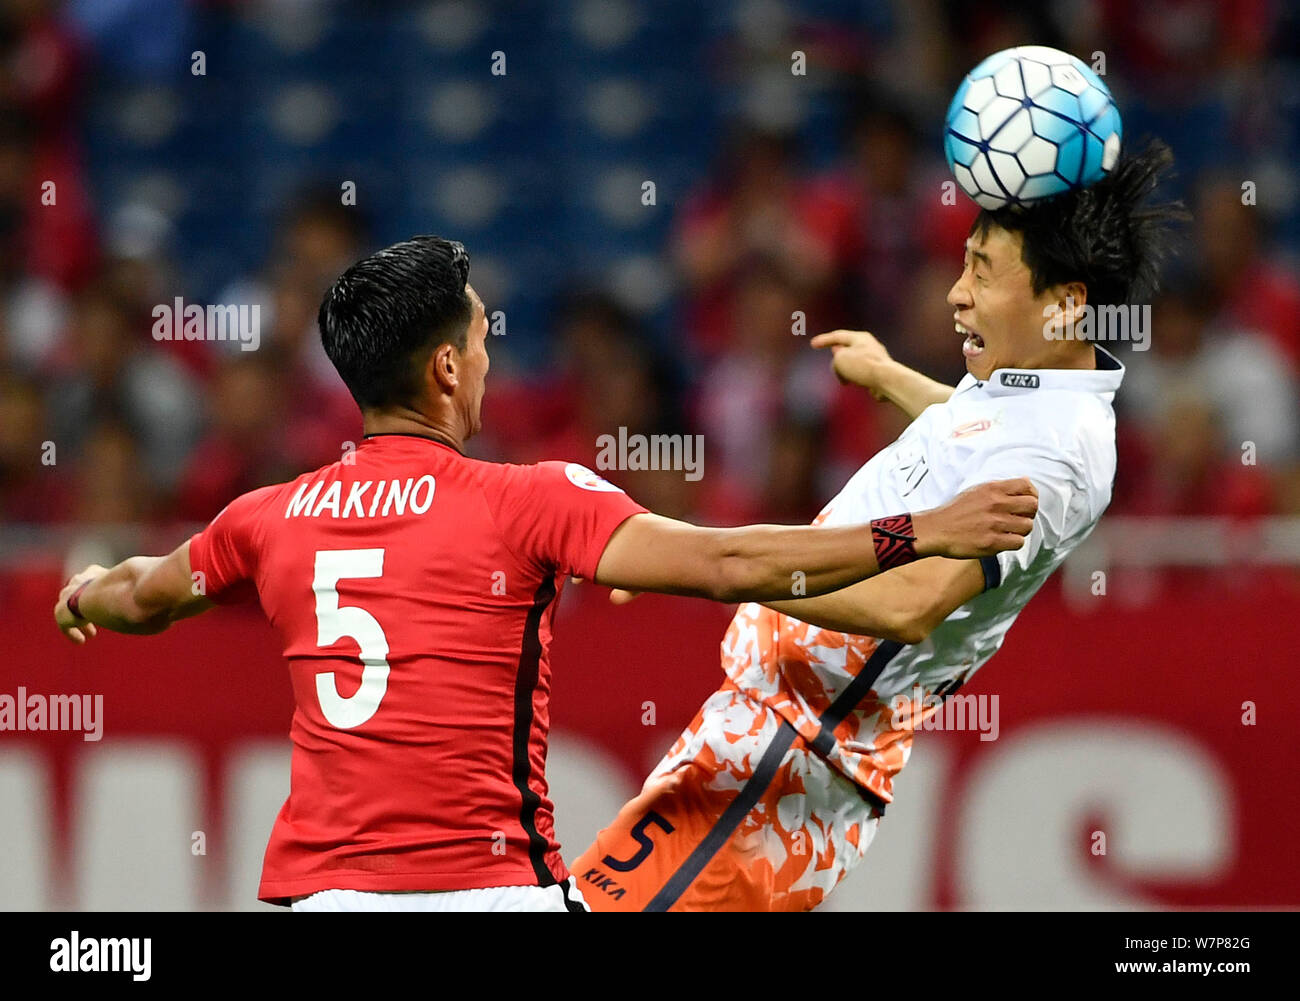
x,y
1106,236
383,316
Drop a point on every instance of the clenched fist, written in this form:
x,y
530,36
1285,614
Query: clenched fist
x,y
980,521
75,628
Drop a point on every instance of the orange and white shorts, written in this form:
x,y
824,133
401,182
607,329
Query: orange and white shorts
x,y
740,815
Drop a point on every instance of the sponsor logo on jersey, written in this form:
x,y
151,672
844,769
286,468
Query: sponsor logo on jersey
x,y
603,883
1019,380
581,476
970,428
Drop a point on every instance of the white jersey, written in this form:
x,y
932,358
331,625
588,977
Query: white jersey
x,y
1055,426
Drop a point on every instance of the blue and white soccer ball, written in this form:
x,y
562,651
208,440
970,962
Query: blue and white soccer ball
x,y
1029,123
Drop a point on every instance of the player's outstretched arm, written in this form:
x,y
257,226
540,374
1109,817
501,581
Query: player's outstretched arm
x,y
141,595
905,605
770,562
857,357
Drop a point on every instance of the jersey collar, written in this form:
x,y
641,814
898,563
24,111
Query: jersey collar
x,y
1103,380
409,434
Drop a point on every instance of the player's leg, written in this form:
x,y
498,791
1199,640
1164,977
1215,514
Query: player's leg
x,y
740,815
811,829
652,836
789,835
680,813
655,833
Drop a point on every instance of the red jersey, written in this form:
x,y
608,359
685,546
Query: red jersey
x,y
413,590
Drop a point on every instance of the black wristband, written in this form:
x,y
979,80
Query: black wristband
x,y
992,572
894,539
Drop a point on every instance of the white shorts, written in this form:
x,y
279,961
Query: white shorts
x,y
557,898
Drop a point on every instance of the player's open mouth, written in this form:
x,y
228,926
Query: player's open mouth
x,y
973,346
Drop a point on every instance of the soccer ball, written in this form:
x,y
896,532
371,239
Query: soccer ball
x,y
1029,123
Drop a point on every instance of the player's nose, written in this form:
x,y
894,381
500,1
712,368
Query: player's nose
x,y
958,295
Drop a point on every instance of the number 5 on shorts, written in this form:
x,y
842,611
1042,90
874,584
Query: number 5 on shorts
x,y
639,835
334,622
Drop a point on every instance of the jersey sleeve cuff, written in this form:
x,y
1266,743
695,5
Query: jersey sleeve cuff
x,y
201,563
601,540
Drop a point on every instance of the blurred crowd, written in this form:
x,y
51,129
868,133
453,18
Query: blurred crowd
x,y
100,423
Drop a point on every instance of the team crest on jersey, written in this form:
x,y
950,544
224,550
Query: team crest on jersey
x,y
581,476
970,428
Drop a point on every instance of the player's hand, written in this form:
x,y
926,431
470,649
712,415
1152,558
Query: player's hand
x,y
620,596
858,358
73,627
980,521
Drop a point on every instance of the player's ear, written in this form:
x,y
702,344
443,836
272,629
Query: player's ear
x,y
1072,298
443,369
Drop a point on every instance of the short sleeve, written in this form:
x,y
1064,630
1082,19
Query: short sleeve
x,y
225,552
562,515
1062,508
